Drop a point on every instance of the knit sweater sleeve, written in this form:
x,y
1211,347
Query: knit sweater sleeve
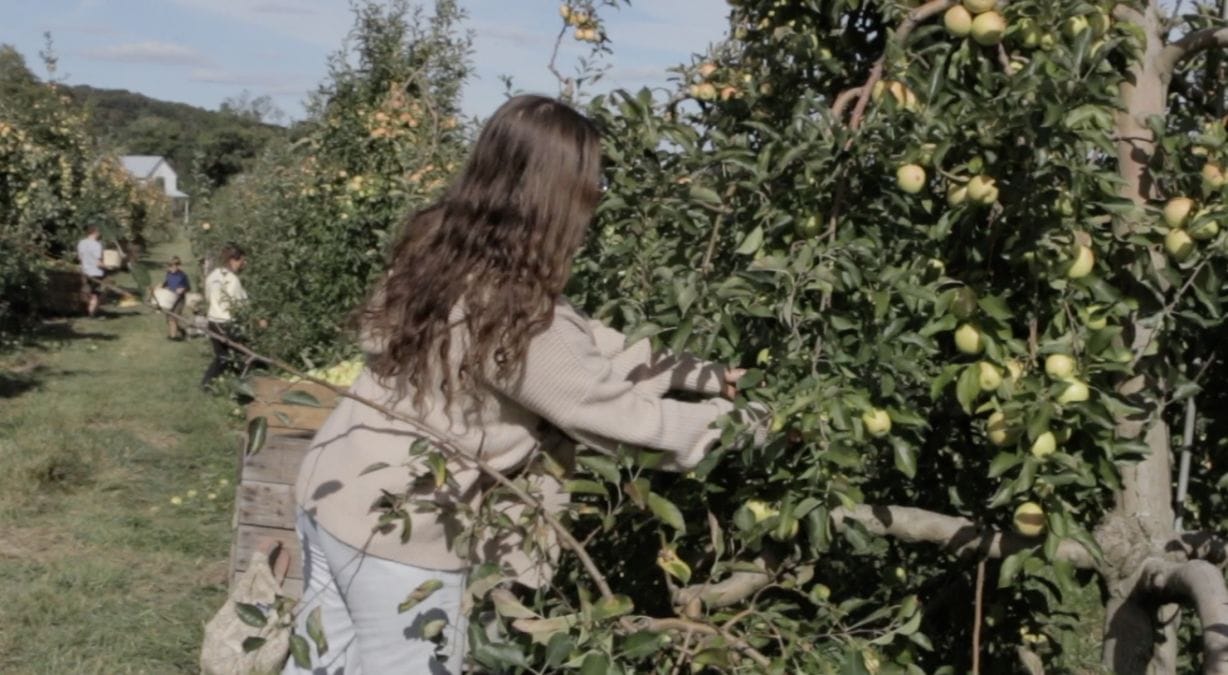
x,y
569,382
659,371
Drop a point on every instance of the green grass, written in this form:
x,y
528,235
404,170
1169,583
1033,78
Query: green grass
x,y
102,423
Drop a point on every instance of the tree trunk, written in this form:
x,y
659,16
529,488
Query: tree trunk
x,y
1140,638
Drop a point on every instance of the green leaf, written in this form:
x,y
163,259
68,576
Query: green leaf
x,y
601,465
251,615
257,432
646,329
1003,462
253,643
315,630
422,592
905,458
301,651
1011,566
665,510
968,388
751,243
559,649
300,397
439,468
372,468
587,487
705,195
500,656
433,628
507,605
642,644
595,663
611,607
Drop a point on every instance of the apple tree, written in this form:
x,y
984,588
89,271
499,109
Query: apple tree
x,y
971,254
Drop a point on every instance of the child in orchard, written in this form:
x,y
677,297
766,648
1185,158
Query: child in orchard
x,y
468,335
176,282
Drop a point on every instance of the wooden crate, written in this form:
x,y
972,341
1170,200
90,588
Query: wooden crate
x,y
264,505
264,493
289,419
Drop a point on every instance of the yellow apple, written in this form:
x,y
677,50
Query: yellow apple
x,y
968,339
810,227
1177,211
1084,261
958,21
956,194
760,510
821,591
704,91
1075,392
1179,244
998,430
1213,176
1014,369
1029,519
1044,445
1099,22
1059,366
1094,317
979,6
877,421
988,376
910,178
982,190
988,28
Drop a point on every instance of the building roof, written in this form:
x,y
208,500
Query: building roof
x,y
143,167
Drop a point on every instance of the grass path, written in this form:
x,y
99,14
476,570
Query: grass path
x,y
102,423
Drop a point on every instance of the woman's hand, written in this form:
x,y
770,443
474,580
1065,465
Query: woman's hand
x,y
730,389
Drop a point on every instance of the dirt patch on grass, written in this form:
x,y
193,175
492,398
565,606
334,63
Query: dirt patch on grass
x,y
31,545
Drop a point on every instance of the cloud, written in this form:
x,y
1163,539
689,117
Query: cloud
x,y
151,51
513,34
270,83
283,8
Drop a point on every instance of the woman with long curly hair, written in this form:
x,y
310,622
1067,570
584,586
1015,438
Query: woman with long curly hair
x,y
469,336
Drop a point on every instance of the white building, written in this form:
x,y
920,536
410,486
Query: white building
x,y
155,169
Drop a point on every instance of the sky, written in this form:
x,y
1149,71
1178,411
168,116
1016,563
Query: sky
x,y
203,52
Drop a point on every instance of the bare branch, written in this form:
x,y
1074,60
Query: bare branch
x,y
1200,584
960,536
1189,45
695,627
738,587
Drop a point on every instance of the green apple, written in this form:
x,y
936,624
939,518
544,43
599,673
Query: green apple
x,y
1075,25
809,227
1076,391
982,189
910,178
1029,519
968,339
1179,245
1099,22
988,376
877,422
1081,266
1059,366
979,6
958,21
998,430
1044,445
1207,229
988,28
1177,211
821,592
963,304
1014,370
1094,317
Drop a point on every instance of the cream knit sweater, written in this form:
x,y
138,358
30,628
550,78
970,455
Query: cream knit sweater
x,y
579,377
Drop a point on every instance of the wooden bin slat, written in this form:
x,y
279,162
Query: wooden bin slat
x,y
248,538
265,504
278,462
264,497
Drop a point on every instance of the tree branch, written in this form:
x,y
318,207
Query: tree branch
x,y
1189,45
738,587
1200,584
958,535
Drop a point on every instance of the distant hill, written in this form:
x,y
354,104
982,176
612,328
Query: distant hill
x,y
200,144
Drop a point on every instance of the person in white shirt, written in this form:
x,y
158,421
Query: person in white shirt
x,y
89,252
224,293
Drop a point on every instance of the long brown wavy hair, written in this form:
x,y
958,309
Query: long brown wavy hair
x,y
500,242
